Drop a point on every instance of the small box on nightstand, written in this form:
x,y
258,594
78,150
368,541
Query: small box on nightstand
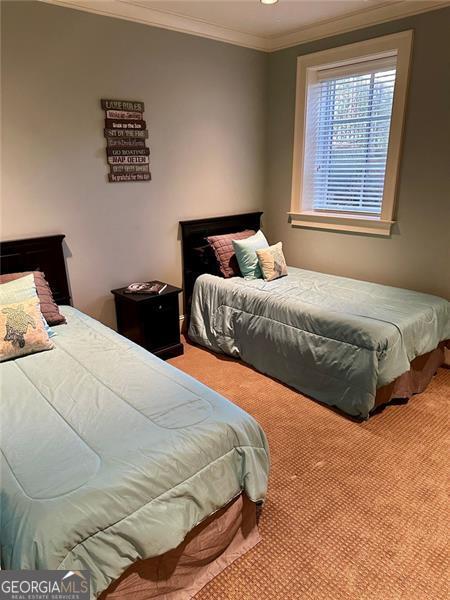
x,y
150,320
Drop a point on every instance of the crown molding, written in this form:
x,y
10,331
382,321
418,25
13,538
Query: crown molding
x,y
138,12
358,20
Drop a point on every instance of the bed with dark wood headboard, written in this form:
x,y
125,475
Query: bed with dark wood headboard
x,y
38,254
197,257
281,326
73,401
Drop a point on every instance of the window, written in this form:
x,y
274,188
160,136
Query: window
x,y
348,123
349,117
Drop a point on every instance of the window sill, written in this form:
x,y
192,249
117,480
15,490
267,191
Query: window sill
x,y
341,222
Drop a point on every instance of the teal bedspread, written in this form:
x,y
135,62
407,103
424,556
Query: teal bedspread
x,y
110,455
335,339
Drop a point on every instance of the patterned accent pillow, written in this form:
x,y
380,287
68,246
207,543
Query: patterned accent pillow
x,y
272,262
49,308
22,329
18,290
224,251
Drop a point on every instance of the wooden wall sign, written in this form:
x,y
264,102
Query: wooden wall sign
x,y
123,105
126,132
127,151
125,124
129,168
128,160
113,142
113,178
123,114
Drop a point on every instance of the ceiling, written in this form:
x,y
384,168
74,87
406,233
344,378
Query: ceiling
x,y
252,24
250,16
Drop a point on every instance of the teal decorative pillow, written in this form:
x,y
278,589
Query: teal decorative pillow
x,y
272,262
245,251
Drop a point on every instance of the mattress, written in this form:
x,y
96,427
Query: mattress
x,y
109,455
335,339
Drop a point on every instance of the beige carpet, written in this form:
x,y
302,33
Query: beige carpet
x,y
355,510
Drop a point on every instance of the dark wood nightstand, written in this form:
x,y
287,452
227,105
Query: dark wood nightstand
x,y
152,321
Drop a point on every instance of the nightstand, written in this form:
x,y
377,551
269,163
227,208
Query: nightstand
x,y
152,321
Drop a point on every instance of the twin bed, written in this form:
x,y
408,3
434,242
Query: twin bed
x,y
116,462
350,344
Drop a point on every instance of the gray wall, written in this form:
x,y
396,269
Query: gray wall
x,y
417,255
217,147
205,108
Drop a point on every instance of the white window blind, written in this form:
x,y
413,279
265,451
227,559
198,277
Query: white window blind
x,y
347,134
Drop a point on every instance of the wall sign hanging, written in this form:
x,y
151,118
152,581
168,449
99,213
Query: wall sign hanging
x,y
125,132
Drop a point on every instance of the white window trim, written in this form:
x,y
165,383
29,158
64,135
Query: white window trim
x,y
300,215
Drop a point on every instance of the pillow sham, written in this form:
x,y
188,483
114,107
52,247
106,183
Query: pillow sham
x,y
224,252
49,308
272,262
22,329
17,290
246,254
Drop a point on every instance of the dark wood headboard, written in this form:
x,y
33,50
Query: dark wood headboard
x,y
38,254
194,234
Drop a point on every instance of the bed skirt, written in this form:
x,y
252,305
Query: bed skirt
x,y
206,551
422,369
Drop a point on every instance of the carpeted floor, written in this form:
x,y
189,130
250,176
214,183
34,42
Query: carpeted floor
x,y
355,510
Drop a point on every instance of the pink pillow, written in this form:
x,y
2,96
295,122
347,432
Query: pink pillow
x,y
224,251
